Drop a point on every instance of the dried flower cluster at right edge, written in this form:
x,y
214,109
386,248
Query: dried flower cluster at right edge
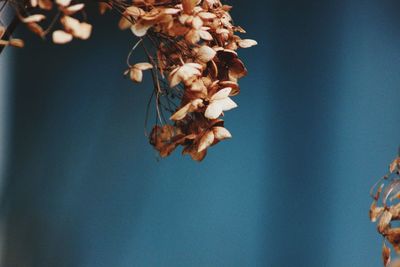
x,y
385,210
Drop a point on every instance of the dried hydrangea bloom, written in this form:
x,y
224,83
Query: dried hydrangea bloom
x,y
385,210
191,48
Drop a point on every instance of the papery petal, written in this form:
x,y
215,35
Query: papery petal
x,y
174,79
206,140
124,23
246,43
45,4
188,5
61,37
213,111
71,24
136,75
181,113
85,29
226,104
171,11
63,2
385,255
16,43
192,36
75,8
207,15
205,35
134,11
206,53
143,66
221,133
140,29
197,22
34,3
187,72
34,18
221,94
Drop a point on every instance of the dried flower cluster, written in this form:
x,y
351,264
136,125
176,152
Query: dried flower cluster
x,y
191,48
385,210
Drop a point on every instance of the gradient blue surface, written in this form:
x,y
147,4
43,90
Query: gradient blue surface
x,y
317,123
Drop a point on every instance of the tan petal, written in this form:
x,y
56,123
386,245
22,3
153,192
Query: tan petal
x,y
124,23
171,11
181,113
192,36
393,236
384,222
74,8
246,43
205,35
61,37
375,212
206,53
221,133
136,75
35,28
206,140
189,71
63,2
140,29
143,66
16,43
385,255
213,111
85,29
34,3
207,15
197,22
221,94
45,4
34,18
135,11
71,24
198,86
188,5
226,104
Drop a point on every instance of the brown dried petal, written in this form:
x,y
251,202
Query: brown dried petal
x,y
134,11
205,53
206,140
375,212
393,236
384,221
221,133
188,6
33,18
385,254
16,43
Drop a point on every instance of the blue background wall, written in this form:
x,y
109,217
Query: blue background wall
x,y
317,124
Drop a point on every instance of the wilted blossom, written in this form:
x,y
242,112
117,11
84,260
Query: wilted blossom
x,y
385,210
191,48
